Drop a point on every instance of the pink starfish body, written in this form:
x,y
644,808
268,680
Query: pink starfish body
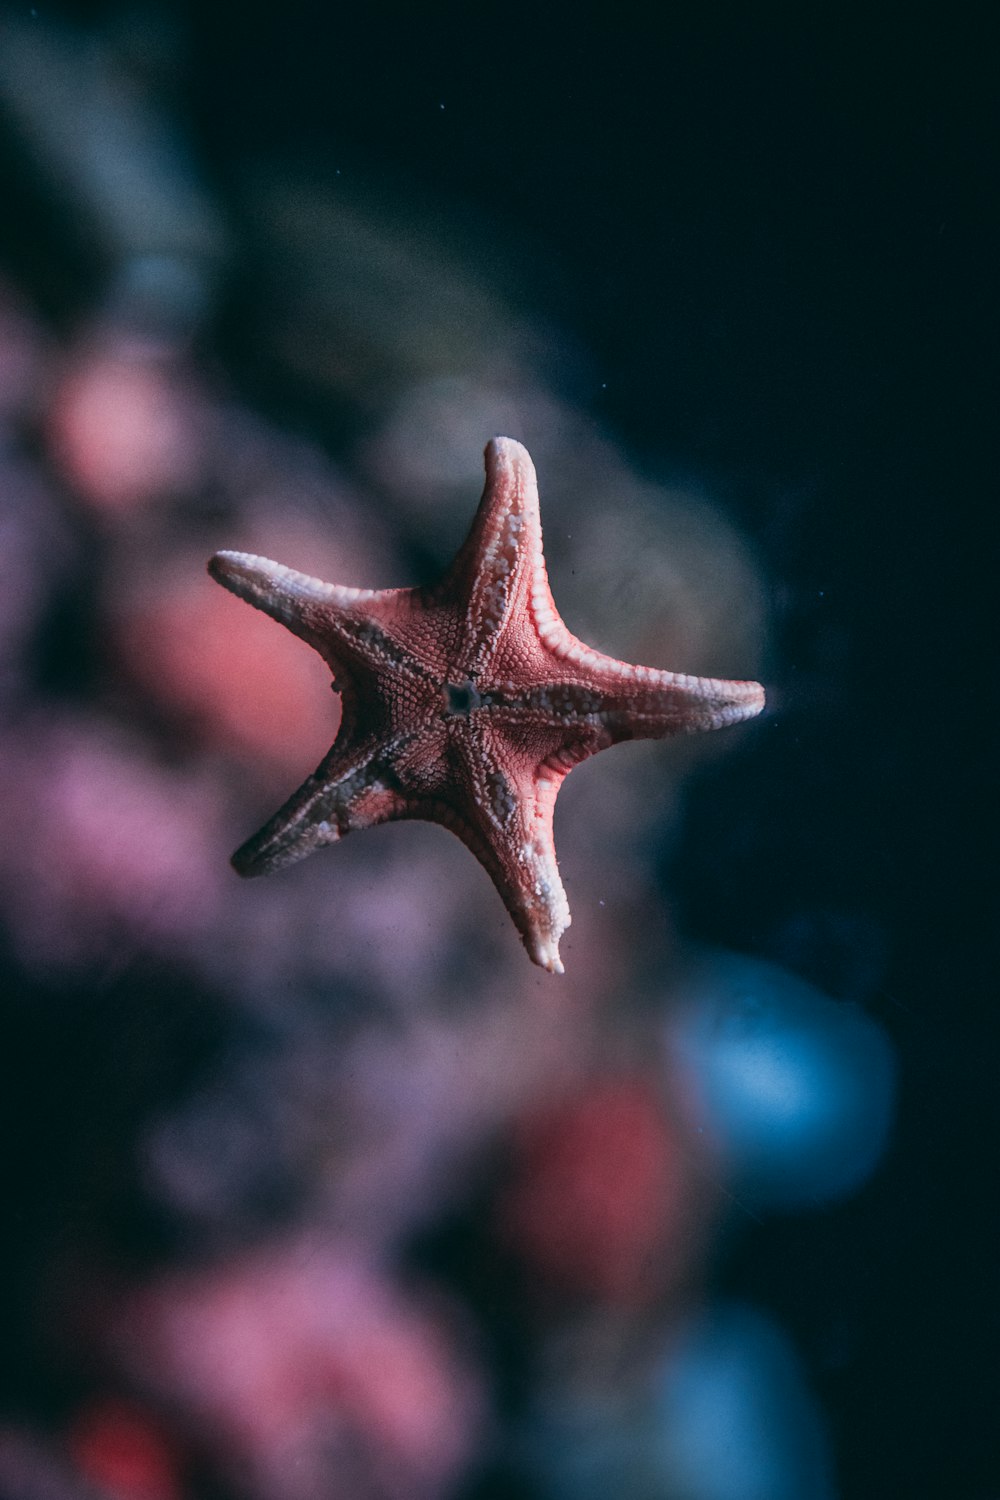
x,y
467,703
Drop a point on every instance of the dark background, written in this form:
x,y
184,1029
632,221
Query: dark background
x,y
771,232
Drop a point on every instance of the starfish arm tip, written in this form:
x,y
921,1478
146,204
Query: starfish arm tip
x,y
746,704
498,443
278,844
245,864
543,944
272,848
507,452
217,565
241,573
545,953
711,703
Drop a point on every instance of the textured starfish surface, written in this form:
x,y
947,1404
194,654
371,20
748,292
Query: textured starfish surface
x,y
467,703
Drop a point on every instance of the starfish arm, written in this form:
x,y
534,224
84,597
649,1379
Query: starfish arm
x,y
350,789
648,704
500,566
388,630
304,605
634,702
506,821
620,703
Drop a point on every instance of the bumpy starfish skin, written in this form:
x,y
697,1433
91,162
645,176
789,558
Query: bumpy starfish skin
x,y
467,704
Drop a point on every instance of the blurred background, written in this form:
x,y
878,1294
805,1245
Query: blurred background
x,y
314,1187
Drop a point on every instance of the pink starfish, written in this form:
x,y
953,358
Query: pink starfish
x,y
467,703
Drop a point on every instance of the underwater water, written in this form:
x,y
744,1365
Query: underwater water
x,y
314,1186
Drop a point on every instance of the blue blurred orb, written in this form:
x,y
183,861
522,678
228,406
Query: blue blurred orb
x,y
737,1419
724,1414
794,1090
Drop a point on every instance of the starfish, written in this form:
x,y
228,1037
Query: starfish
x,y
467,703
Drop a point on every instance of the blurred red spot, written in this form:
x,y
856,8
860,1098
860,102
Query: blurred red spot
x,y
124,431
247,685
123,1454
593,1201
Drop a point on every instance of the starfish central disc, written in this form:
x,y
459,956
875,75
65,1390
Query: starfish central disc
x,y
468,703
461,698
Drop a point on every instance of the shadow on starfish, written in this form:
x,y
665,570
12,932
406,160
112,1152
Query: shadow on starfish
x,y
466,704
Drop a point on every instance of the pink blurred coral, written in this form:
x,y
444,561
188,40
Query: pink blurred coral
x,y
102,850
307,1374
124,428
